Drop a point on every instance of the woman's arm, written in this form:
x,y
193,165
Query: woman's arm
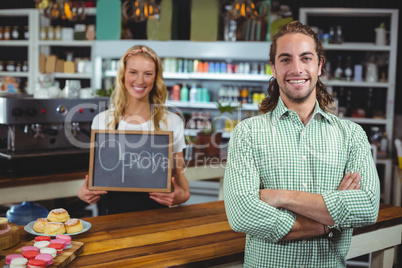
x,y
181,189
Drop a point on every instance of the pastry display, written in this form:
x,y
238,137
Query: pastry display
x,y
54,228
40,225
57,222
73,226
58,215
3,223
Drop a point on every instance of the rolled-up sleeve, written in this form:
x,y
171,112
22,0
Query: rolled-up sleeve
x,y
356,208
245,211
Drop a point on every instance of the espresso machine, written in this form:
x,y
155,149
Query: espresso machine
x,y
46,135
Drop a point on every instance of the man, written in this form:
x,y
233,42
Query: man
x,y
299,179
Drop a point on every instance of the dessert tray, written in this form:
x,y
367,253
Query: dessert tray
x,y
29,228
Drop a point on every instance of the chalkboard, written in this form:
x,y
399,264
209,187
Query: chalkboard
x,y
130,161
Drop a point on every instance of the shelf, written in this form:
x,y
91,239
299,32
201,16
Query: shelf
x,y
193,133
14,43
207,105
207,76
72,75
65,43
15,74
218,50
357,47
342,83
371,121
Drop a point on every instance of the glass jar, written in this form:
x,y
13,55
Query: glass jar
x,y
7,33
57,32
10,67
18,67
15,34
42,33
25,66
50,33
26,32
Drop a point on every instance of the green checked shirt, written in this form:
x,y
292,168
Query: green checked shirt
x,y
276,151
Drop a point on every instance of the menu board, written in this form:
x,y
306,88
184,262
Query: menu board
x,y
137,161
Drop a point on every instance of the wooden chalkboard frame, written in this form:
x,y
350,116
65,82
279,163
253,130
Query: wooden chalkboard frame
x,y
92,161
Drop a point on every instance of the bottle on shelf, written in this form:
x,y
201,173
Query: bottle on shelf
x,y
192,123
175,93
331,34
1,32
193,93
200,120
336,102
26,32
15,34
184,93
369,106
349,104
383,150
338,35
7,33
339,71
342,103
348,69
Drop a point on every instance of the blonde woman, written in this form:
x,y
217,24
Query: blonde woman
x,y
137,103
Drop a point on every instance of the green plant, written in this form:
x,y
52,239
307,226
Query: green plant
x,y
223,107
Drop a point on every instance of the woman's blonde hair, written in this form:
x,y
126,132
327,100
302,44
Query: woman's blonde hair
x,y
157,96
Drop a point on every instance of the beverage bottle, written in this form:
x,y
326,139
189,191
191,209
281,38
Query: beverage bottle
x,y
338,35
383,146
192,123
200,121
339,71
193,93
176,93
348,70
342,103
369,107
349,104
184,93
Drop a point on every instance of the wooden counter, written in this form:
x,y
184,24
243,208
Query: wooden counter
x,y
200,236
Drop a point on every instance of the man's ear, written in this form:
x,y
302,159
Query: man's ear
x,y
320,67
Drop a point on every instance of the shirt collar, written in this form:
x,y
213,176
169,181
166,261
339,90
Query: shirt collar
x,y
281,111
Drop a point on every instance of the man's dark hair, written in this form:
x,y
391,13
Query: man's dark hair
x,y
324,98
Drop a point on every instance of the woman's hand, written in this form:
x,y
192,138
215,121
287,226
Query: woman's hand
x,y
178,196
91,197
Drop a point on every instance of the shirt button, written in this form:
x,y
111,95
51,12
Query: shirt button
x,y
304,241
304,157
304,185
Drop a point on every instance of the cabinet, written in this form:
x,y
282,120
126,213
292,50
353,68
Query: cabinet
x,y
208,51
22,49
30,49
48,47
360,23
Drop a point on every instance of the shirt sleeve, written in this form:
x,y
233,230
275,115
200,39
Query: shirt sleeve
x,y
177,126
356,208
245,211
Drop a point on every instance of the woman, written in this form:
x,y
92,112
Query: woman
x,y
137,103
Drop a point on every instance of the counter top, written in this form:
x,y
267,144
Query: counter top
x,y
193,236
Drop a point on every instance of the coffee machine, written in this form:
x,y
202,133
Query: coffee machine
x,y
46,135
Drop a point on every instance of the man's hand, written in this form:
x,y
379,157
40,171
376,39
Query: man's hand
x,y
350,182
91,197
178,196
